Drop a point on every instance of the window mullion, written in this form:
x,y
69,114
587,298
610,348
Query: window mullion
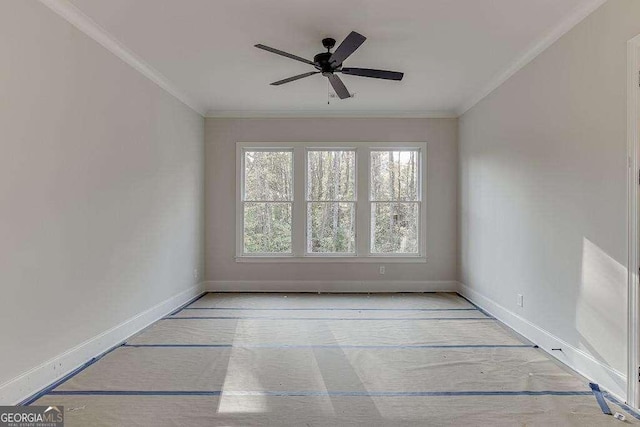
x,y
299,201
239,201
363,211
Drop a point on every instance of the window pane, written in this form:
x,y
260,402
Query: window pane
x,y
267,227
394,175
331,175
330,227
394,228
268,175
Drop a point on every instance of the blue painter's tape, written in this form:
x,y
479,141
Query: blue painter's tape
x,y
600,398
250,346
477,307
81,368
314,393
627,408
182,307
322,318
408,393
330,309
132,393
67,377
180,345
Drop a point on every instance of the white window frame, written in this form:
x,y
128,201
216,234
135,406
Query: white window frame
x,y
363,204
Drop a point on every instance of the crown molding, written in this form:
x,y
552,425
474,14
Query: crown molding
x,y
532,52
78,19
263,114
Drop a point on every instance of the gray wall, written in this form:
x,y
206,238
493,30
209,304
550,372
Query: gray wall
x,y
543,167
221,136
101,189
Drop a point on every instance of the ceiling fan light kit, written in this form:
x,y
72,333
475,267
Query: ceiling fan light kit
x,y
328,64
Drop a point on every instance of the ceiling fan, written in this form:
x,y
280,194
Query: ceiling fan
x,y
328,64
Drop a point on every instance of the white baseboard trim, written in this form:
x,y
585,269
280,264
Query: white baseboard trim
x,y
608,378
356,286
23,386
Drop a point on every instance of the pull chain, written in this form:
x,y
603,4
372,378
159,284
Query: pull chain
x,y
328,93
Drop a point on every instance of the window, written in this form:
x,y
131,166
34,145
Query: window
x,y
335,202
331,201
395,202
267,202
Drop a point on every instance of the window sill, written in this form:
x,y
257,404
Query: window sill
x,y
333,259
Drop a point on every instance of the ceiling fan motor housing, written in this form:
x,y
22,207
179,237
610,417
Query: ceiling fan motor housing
x,y
322,62
322,59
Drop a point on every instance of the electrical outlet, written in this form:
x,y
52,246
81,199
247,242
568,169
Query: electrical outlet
x,y
520,300
382,269
196,274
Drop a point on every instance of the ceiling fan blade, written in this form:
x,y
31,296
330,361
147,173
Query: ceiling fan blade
x,y
376,74
294,78
285,54
339,87
346,48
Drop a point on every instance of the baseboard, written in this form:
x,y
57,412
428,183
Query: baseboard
x,y
608,378
355,286
20,388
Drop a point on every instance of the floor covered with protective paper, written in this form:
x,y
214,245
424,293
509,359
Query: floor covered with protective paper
x,y
326,360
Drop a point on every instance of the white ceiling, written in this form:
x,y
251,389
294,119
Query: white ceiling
x,y
451,51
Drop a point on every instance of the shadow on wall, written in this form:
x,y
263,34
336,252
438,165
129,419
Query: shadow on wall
x,y
601,306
